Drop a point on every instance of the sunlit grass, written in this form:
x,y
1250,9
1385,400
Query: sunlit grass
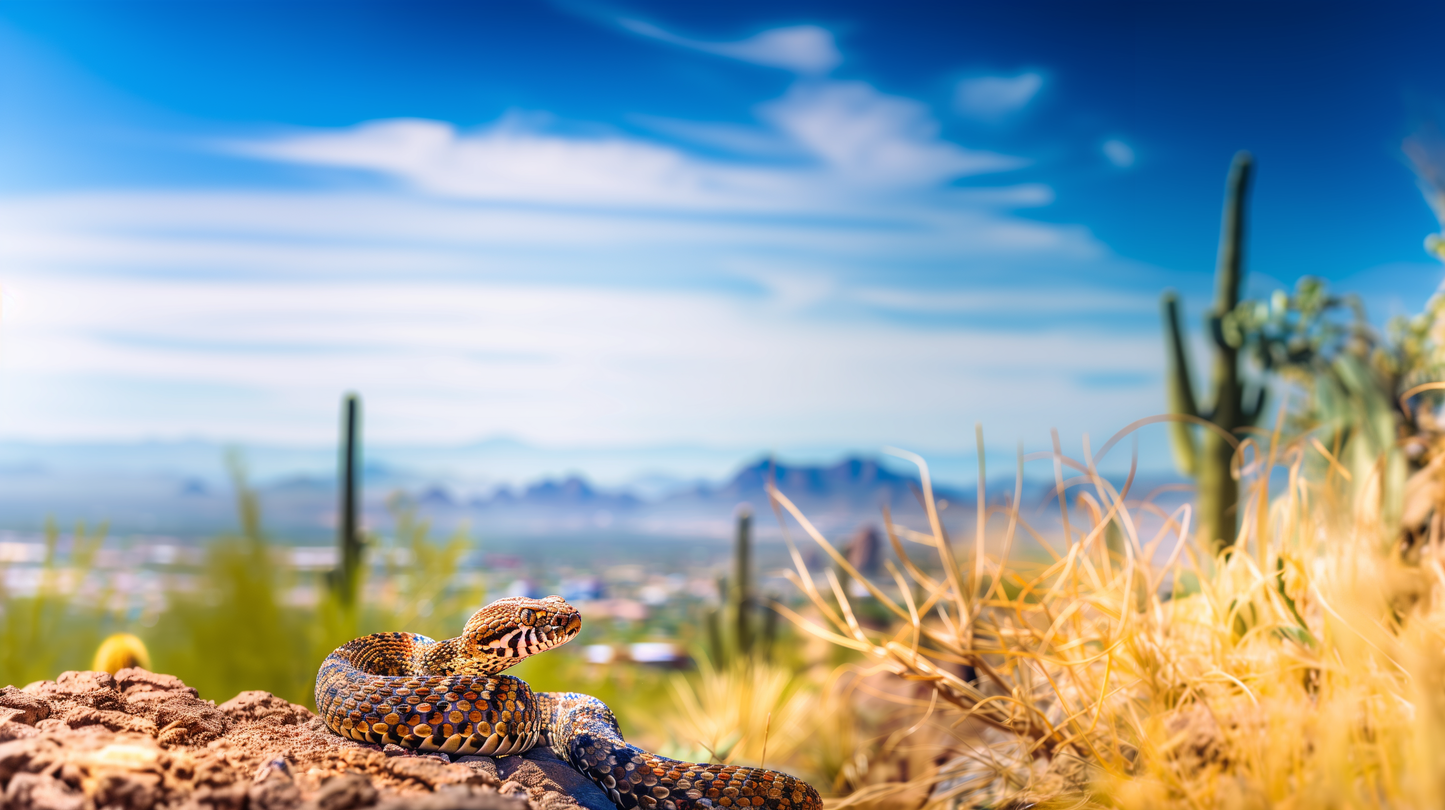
x,y
1305,668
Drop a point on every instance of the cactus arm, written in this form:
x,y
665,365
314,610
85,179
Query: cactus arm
x,y
1229,273
1228,407
1180,389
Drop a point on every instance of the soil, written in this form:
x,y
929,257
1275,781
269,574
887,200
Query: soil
x,y
139,739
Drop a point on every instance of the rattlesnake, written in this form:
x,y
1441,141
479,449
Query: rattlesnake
x,y
449,696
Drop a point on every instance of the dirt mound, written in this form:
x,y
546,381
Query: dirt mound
x,y
90,741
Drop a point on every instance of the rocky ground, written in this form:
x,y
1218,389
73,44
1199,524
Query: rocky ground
x,y
90,741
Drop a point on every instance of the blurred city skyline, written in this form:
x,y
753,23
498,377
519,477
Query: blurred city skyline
x,y
799,227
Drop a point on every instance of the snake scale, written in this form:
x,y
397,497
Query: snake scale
x,y
449,696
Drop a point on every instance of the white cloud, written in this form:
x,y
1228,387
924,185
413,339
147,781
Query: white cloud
x,y
579,364
805,49
738,139
1026,302
350,235
876,138
1119,153
993,98
858,142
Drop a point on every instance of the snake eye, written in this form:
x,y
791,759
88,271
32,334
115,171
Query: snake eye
x,y
529,617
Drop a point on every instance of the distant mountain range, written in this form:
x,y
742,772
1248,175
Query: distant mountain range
x,y
860,481
180,489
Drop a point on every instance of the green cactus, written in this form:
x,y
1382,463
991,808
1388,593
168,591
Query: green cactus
x,y
731,627
1206,459
345,578
743,599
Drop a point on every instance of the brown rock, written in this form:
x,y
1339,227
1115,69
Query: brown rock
x,y
28,756
10,730
183,719
229,797
144,739
550,781
344,792
29,709
118,788
428,771
52,725
133,681
458,797
250,707
94,689
33,791
81,716
275,794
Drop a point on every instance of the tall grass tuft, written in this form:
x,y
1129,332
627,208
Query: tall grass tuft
x,y
747,711
1304,667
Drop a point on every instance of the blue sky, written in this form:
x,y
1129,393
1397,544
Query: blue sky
x,y
805,227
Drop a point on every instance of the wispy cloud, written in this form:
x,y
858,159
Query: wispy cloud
x,y
806,49
876,139
993,98
1051,302
1119,153
576,364
854,141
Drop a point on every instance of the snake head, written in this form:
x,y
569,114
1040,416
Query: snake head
x,y
508,630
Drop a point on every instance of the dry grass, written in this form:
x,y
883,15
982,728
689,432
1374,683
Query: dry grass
x,y
749,711
1305,668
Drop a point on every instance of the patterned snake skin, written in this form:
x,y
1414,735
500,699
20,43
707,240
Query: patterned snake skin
x,y
448,696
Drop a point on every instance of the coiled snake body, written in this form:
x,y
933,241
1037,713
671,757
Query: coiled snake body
x,y
449,696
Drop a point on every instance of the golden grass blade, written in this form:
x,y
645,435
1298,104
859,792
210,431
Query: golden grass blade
x,y
833,552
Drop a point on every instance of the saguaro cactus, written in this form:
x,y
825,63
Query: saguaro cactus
x,y
1206,459
348,539
745,599
739,601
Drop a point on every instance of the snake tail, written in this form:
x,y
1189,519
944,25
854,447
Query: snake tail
x,y
582,730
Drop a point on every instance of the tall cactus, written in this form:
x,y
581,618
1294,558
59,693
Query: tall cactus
x,y
345,578
745,600
1206,459
737,615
